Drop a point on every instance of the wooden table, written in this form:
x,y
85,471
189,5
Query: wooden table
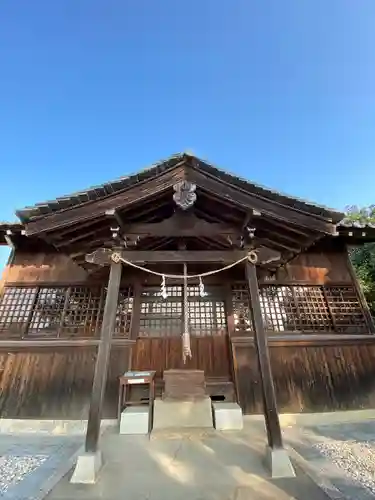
x,y
136,378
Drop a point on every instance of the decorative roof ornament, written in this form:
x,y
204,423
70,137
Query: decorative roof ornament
x,y
184,195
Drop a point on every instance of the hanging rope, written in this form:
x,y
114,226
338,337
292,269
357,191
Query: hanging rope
x,y
251,256
186,349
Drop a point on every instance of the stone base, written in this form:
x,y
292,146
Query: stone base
x,y
227,416
87,468
278,463
182,414
135,420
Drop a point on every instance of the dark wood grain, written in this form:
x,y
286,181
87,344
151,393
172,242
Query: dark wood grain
x,y
91,210
56,383
310,379
210,354
181,224
248,201
170,256
101,366
267,387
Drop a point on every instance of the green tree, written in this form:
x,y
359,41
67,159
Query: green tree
x,y
363,257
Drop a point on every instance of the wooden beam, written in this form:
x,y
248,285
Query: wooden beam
x,y
102,256
117,218
59,234
273,209
102,360
268,390
181,225
276,244
285,227
67,242
135,194
361,296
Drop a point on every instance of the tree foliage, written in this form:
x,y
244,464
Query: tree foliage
x,y
363,257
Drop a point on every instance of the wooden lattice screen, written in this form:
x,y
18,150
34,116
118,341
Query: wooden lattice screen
x,y
164,317
308,309
61,311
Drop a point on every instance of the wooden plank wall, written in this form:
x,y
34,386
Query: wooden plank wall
x,y
210,354
310,379
45,267
317,268
55,384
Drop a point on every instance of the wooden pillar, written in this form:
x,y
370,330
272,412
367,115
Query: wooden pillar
x,y
268,391
361,296
102,361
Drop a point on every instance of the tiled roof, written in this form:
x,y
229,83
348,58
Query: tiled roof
x,y
98,192
356,224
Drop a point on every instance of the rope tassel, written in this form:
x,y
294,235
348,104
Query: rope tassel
x,y
202,292
163,288
186,349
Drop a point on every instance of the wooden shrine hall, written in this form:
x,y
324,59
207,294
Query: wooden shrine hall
x,y
183,266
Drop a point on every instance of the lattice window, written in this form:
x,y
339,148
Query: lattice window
x,y
278,308
83,312
346,309
313,311
241,311
206,314
52,311
160,317
16,306
124,313
47,311
295,308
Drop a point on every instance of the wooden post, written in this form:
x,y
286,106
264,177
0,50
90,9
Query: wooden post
x,y
268,391
102,361
361,296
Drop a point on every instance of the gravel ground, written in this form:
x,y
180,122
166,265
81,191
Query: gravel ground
x,y
28,463
356,458
14,469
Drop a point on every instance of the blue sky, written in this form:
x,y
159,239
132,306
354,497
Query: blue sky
x,y
280,92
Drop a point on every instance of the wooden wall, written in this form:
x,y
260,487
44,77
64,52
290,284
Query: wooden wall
x,y
317,268
45,267
55,384
310,379
210,354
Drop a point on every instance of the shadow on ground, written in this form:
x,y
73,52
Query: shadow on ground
x,y
213,467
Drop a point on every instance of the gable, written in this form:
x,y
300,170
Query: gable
x,y
160,178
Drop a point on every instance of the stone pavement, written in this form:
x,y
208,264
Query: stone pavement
x,y
221,466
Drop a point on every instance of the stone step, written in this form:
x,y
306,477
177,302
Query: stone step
x,y
183,433
182,414
135,420
227,416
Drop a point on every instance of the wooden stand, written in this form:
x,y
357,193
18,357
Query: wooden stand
x,y
136,378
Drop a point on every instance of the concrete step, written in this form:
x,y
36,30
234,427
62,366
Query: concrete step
x,y
135,420
182,415
227,416
192,433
